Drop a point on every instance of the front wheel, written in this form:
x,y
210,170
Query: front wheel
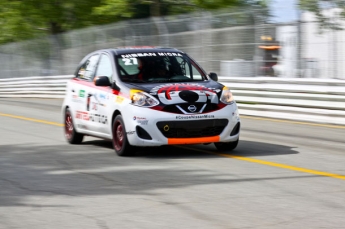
x,y
71,135
120,141
226,146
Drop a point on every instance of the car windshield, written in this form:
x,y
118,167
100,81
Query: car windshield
x,y
158,67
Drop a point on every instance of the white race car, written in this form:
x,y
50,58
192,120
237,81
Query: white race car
x,y
148,96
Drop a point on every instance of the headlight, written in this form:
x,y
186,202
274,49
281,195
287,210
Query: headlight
x,y
227,97
142,99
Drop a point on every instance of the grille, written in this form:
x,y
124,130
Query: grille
x,y
173,109
192,129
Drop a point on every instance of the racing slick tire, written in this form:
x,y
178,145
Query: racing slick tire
x,y
226,146
71,135
120,141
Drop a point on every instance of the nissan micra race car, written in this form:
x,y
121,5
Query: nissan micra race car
x,y
148,96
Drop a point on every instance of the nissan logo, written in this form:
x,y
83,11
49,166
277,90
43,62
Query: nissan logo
x,y
192,108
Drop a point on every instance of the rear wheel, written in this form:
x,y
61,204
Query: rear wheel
x,y
120,141
71,135
226,146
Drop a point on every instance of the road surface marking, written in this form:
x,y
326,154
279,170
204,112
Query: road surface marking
x,y
32,119
253,160
273,164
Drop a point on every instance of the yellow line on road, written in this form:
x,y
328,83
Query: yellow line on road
x,y
258,161
31,119
253,160
293,122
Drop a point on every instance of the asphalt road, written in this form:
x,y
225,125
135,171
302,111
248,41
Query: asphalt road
x,y
282,175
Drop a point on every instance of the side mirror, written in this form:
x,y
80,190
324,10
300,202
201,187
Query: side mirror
x,y
114,86
102,81
213,76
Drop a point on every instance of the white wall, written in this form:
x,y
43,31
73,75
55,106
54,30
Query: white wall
x,y
287,35
323,53
327,47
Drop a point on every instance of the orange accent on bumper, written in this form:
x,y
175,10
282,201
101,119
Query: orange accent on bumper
x,y
181,141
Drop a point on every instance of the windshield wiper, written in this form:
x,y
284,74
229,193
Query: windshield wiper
x,y
158,80
134,80
183,80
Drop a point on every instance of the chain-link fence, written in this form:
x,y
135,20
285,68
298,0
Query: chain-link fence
x,y
230,44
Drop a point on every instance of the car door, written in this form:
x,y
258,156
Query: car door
x,y
100,109
83,87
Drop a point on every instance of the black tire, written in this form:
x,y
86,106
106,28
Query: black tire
x,y
226,146
71,135
120,141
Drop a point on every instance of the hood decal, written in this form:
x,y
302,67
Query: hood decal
x,y
177,93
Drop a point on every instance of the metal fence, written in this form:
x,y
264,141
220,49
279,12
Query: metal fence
x,y
237,44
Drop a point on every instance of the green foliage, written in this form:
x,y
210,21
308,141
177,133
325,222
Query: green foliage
x,y
26,19
115,8
13,22
216,4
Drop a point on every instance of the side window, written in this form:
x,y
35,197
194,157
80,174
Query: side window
x,y
87,70
188,69
105,67
196,74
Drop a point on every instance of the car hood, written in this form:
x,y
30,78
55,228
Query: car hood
x,y
183,92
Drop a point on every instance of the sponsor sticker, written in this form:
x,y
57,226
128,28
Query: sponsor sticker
x,y
98,118
94,106
194,116
102,96
143,122
138,55
82,115
150,54
81,93
119,99
139,118
99,97
77,100
92,117
168,54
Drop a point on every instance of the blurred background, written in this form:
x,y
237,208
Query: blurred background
x,y
248,38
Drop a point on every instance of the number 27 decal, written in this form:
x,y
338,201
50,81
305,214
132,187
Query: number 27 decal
x,y
130,61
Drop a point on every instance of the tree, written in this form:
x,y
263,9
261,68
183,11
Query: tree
x,y
25,19
120,9
156,8
14,24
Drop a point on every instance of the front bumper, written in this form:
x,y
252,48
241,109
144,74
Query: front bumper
x,y
148,127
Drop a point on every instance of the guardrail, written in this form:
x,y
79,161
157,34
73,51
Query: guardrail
x,y
311,100
34,87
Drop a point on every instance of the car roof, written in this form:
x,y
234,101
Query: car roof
x,y
135,49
